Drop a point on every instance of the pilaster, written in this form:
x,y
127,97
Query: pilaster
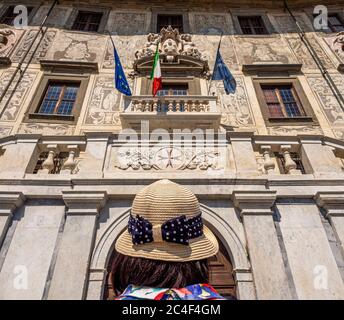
x,y
269,273
71,269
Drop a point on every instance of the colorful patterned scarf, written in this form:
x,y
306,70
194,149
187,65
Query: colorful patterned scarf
x,y
193,292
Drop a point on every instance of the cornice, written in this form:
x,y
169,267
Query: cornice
x,y
271,67
62,65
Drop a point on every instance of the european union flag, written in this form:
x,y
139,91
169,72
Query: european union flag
x,y
120,79
221,72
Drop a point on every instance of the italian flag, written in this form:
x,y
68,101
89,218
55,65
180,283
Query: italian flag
x,y
156,74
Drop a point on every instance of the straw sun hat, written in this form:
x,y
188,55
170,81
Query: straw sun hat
x,y
156,207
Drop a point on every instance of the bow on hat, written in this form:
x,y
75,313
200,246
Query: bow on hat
x,y
178,230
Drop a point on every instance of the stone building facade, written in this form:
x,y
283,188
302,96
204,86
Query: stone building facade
x,y
268,172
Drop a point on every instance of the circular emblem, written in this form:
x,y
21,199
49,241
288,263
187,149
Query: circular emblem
x,y
169,158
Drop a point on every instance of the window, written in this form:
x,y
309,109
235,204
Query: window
x,y
59,160
9,15
175,21
252,25
59,98
61,91
173,90
282,102
295,157
334,23
87,21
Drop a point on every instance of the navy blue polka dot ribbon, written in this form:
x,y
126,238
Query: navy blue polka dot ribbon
x,y
178,230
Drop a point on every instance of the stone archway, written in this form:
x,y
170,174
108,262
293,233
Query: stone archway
x,y
232,249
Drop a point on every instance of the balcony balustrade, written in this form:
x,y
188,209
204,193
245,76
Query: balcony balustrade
x,y
172,104
175,111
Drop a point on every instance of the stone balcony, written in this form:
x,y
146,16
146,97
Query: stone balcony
x,y
174,112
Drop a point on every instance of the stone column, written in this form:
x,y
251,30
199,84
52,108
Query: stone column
x,y
333,203
70,164
289,163
269,273
269,164
48,164
9,202
71,269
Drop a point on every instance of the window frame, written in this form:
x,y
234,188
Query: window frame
x,y
5,7
309,117
88,22
331,10
183,84
182,12
74,14
283,105
236,13
193,83
60,99
169,15
339,18
252,28
32,114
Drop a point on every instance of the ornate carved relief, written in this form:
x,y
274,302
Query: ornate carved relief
x,y
8,38
293,130
78,47
42,49
167,158
176,50
171,44
119,23
205,23
126,47
104,104
5,131
336,43
235,108
18,96
266,50
303,55
332,109
47,129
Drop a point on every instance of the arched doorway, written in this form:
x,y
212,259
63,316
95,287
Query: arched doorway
x,y
221,275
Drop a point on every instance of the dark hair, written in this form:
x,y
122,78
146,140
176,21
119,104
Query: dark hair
x,y
127,270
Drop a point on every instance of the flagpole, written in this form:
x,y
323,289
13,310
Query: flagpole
x,y
218,49
113,44
110,34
